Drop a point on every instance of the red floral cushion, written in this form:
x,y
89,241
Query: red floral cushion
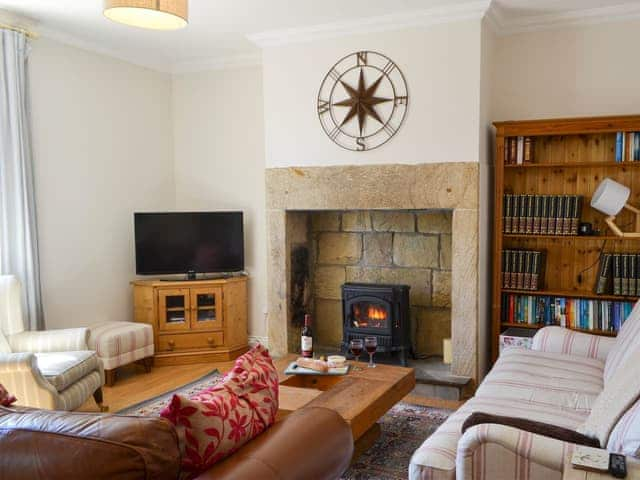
x,y
216,422
5,398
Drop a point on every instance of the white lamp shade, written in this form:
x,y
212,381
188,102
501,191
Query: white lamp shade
x,y
610,197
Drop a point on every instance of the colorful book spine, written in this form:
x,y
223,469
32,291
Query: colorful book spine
x,y
522,269
518,150
619,147
506,213
541,214
619,274
604,275
575,313
627,147
528,228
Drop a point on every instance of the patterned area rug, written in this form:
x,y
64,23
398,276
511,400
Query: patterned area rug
x,y
404,428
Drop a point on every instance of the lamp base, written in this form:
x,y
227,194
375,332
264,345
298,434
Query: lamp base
x,y
611,222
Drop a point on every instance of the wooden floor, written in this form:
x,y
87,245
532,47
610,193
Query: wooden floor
x,y
134,386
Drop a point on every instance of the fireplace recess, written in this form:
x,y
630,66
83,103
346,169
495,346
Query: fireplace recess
x,y
379,310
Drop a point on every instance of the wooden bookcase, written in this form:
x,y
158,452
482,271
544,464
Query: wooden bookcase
x,y
570,157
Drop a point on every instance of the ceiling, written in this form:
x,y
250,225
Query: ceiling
x,y
221,31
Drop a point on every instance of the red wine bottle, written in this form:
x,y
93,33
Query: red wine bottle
x,y
307,338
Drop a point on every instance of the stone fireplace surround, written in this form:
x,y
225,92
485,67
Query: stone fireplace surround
x,y
451,186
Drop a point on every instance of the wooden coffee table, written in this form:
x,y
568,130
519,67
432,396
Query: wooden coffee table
x,y
360,397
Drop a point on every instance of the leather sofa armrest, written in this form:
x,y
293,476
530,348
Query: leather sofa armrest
x,y
531,426
313,442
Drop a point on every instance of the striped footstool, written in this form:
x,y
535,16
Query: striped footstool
x,y
121,343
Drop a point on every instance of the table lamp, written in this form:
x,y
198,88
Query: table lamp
x,y
610,198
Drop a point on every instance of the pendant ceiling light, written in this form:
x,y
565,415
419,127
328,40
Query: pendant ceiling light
x,y
154,14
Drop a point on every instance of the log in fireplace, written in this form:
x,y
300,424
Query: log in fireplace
x,y
379,310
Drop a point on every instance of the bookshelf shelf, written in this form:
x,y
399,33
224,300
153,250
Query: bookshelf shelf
x,y
571,294
570,157
587,238
605,333
575,165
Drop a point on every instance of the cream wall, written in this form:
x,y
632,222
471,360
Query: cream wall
x,y
442,68
102,150
576,71
218,132
485,145
111,138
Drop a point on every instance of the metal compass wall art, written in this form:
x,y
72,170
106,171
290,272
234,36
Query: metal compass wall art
x,y
362,101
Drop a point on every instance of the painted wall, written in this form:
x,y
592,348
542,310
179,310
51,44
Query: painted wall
x,y
575,71
103,133
485,142
218,128
102,150
442,68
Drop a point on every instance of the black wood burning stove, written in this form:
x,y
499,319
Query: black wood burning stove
x,y
371,309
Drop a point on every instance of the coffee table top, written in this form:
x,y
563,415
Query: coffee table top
x,y
361,397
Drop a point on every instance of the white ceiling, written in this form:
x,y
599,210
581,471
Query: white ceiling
x,y
219,31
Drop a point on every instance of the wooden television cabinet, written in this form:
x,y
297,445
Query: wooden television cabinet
x,y
194,321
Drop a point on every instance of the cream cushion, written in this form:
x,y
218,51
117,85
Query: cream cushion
x,y
4,345
11,320
545,378
625,437
120,343
627,344
63,369
621,381
619,394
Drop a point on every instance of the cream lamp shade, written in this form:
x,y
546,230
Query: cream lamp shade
x,y
610,197
152,14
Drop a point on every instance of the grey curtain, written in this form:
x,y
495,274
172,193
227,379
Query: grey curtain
x,y
18,234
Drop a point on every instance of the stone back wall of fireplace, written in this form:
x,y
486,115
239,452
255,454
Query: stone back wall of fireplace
x,y
390,246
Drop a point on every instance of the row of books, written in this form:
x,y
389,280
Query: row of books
x,y
541,214
578,313
518,150
522,269
627,147
619,274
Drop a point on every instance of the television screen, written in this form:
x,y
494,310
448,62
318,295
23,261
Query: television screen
x,y
203,242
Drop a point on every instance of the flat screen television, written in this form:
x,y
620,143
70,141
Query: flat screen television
x,y
188,242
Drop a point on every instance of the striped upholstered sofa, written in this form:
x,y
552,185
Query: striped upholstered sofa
x,y
581,382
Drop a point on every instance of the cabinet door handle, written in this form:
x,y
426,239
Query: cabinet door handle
x,y
210,341
171,344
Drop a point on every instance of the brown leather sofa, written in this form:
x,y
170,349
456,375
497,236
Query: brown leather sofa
x,y
312,443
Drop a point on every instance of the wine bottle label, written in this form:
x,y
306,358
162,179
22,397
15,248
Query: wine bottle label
x,y
307,344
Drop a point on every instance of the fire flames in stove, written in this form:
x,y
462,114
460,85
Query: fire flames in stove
x,y
375,316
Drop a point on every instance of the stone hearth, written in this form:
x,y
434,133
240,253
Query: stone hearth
x,y
378,193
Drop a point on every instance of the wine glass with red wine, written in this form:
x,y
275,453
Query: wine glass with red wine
x,y
371,345
356,347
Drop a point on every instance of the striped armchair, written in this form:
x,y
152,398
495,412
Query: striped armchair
x,y
49,369
572,380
